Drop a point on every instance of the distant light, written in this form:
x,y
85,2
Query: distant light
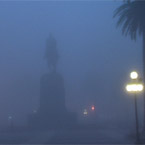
x,y
85,112
10,117
93,108
134,75
34,111
134,87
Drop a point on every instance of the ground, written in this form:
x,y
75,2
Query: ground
x,y
70,136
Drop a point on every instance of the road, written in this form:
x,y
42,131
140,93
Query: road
x,y
70,136
92,137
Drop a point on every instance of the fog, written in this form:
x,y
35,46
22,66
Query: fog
x,y
95,59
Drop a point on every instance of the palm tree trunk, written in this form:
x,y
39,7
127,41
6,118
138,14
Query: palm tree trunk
x,y
144,72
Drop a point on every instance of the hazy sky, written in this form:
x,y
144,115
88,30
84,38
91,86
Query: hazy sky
x,y
89,44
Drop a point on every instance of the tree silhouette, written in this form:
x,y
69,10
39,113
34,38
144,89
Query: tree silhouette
x,y
132,19
51,53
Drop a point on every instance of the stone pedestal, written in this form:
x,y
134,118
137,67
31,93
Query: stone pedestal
x,y
52,112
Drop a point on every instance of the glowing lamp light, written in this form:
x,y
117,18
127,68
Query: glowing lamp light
x,y
93,108
85,112
134,75
134,87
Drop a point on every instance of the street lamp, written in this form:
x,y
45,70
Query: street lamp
x,y
135,87
11,122
85,112
34,111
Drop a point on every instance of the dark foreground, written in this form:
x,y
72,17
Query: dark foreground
x,y
69,136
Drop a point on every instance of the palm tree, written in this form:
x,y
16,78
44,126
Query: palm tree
x,y
132,19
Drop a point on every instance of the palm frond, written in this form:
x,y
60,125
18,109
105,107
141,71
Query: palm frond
x,y
120,9
131,18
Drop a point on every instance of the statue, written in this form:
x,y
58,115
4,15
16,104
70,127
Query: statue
x,y
51,53
52,111
52,91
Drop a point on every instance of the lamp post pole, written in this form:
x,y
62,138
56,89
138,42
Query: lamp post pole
x,y
11,122
136,119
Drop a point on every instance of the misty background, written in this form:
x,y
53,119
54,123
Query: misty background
x,y
95,59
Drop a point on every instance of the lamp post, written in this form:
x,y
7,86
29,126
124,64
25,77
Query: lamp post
x,y
11,122
134,87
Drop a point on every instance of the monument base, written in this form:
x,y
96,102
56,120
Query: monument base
x,y
52,121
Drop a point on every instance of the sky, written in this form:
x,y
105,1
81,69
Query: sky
x,y
95,59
